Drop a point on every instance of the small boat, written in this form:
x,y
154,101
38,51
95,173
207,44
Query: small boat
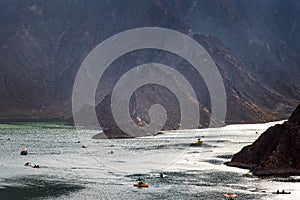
x,y
83,147
140,184
24,151
198,143
283,192
230,195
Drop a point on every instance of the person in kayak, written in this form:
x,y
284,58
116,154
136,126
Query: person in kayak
x,y
140,181
140,184
161,175
24,151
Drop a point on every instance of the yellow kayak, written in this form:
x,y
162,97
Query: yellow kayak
x,y
199,142
140,185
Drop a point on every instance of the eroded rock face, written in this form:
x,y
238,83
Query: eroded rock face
x,y
275,152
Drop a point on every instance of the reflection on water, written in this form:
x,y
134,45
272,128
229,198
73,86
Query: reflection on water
x,y
107,169
36,187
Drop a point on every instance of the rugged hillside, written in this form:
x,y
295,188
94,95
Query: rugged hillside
x,y
264,33
275,152
242,107
44,43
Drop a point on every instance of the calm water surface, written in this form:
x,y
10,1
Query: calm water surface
x,y
107,169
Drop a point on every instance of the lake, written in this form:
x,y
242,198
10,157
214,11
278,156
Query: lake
x,y
107,169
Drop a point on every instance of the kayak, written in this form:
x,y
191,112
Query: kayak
x,y
140,185
281,192
230,195
198,143
24,151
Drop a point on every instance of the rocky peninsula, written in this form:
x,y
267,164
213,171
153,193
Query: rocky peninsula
x,y
276,152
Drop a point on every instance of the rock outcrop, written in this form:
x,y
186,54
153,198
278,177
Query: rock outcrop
x,y
275,152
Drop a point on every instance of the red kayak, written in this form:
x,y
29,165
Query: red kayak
x,y
230,195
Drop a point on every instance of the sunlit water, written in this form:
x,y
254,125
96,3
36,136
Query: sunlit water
x,y
107,169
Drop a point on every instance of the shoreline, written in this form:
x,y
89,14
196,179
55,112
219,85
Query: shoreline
x,y
45,119
33,119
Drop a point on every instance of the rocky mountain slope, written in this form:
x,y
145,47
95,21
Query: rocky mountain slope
x,y
44,43
275,152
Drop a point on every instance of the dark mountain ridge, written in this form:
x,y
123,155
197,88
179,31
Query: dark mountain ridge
x,y
44,43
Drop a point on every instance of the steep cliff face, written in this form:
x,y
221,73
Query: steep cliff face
x,y
275,152
44,43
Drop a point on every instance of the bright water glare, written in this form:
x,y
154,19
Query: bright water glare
x,y
107,169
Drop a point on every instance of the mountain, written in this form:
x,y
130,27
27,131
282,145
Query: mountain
x,y
275,152
254,45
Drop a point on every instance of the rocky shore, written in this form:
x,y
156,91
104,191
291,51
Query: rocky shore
x,y
275,152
